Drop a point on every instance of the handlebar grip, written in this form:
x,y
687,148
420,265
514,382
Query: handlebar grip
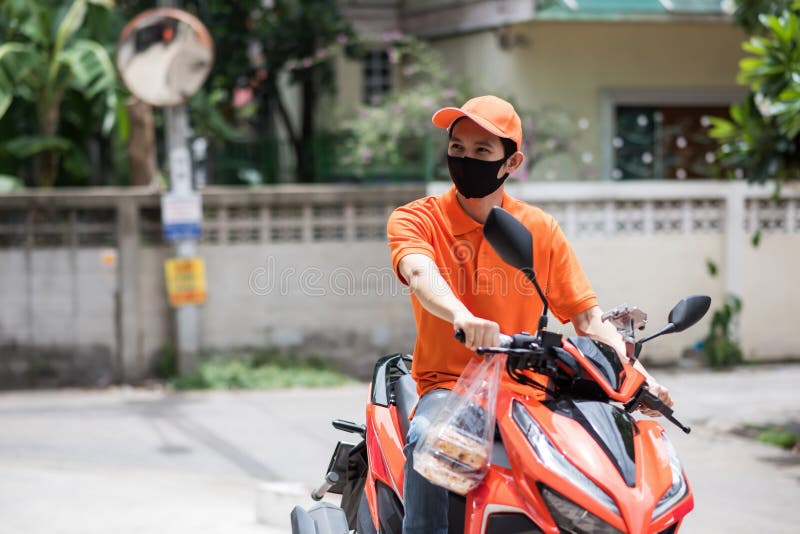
x,y
461,336
505,341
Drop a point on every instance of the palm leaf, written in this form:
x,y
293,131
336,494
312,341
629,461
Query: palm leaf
x,y
108,4
30,19
16,61
73,20
93,74
70,24
26,146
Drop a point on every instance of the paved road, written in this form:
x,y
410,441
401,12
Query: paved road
x,y
149,461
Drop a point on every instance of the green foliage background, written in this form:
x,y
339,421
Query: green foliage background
x,y
763,135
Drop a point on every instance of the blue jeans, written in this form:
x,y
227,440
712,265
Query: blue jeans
x,y
425,503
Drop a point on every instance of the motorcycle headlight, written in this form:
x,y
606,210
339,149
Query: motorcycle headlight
x,y
554,460
678,489
571,518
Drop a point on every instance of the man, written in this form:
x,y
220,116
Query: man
x,y
458,282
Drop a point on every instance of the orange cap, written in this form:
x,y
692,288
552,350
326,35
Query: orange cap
x,y
493,114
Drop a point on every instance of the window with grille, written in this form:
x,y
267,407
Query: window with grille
x,y
377,76
670,142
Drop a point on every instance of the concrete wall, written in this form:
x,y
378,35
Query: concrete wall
x,y
82,280
653,275
57,303
337,301
308,269
769,328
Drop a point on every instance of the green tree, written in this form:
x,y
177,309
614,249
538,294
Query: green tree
x,y
300,34
44,55
746,13
255,43
762,137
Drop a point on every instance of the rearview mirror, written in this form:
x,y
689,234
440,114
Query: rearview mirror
x,y
510,239
685,313
514,244
164,55
688,311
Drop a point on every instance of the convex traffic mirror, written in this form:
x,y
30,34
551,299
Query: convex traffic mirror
x,y
164,56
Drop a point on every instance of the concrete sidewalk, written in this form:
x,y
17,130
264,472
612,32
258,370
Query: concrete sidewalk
x,y
150,461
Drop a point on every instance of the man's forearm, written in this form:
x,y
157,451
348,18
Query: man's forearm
x,y
430,288
589,323
435,295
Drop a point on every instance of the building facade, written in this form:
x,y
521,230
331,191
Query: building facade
x,y
639,79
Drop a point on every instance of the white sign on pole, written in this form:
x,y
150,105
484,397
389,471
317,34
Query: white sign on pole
x,y
181,214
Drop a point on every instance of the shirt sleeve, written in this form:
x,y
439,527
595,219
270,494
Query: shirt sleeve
x,y
568,290
408,234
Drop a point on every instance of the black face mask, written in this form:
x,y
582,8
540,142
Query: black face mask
x,y
475,178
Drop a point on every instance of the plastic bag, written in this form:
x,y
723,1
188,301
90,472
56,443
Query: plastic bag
x,y
455,451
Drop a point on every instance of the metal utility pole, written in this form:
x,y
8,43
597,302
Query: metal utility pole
x,y
185,199
183,195
164,56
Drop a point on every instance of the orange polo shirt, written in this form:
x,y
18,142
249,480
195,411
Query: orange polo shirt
x,y
439,228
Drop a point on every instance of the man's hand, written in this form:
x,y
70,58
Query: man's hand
x,y
659,391
478,332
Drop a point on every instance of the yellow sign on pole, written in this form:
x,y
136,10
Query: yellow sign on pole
x,y
186,280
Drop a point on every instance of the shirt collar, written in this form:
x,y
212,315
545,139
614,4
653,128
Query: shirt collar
x,y
460,222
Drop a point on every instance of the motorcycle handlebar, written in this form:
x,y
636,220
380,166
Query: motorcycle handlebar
x,y
645,398
505,341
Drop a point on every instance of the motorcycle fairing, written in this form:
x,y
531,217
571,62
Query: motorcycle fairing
x,y
603,358
385,453
500,493
635,503
579,452
521,495
612,429
630,380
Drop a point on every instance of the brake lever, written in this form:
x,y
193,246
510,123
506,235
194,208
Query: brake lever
x,y
648,400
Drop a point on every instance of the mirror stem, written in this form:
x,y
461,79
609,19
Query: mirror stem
x,y
543,319
666,330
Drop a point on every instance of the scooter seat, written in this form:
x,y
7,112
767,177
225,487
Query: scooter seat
x,y
405,397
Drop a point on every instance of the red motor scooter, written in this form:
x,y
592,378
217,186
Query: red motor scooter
x,y
576,462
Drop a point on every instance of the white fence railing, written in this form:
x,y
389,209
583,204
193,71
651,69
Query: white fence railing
x,y
586,209
735,210
81,272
